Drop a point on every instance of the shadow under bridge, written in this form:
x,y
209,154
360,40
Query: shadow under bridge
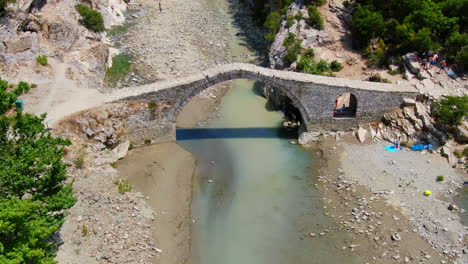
x,y
245,132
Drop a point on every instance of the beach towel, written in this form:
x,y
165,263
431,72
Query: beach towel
x,y
391,148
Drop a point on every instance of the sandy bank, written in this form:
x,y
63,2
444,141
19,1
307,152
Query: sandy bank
x,y
163,173
378,197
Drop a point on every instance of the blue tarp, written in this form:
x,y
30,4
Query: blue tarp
x,y
391,148
422,146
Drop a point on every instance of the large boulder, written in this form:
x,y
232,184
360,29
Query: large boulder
x,y
62,34
361,134
20,45
306,139
411,62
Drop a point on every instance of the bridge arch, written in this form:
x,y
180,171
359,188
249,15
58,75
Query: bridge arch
x,y
194,91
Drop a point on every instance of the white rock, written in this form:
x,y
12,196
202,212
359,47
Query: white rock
x,y
362,134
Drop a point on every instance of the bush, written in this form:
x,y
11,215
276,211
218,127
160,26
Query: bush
x,y
90,18
315,19
3,5
458,153
336,66
123,186
289,21
422,42
376,53
272,24
292,52
440,178
42,60
378,78
365,24
293,48
451,110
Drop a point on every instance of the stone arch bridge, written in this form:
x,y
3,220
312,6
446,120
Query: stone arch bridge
x,y
314,96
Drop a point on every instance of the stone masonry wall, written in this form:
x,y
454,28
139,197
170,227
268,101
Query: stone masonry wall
x,y
313,95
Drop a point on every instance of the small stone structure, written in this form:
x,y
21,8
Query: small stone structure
x,y
314,96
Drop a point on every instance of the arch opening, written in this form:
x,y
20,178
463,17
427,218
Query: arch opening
x,y
345,106
277,99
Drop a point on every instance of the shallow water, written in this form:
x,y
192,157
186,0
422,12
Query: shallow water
x,y
253,199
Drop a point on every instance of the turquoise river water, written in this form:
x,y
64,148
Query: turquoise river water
x,y
253,199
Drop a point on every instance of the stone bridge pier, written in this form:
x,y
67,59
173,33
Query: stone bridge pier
x,y
314,96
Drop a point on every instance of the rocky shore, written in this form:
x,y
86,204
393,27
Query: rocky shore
x,y
382,204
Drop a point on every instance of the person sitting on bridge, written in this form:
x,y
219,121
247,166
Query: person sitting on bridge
x,y
341,110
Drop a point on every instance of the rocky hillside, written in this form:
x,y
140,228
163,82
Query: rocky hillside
x,y
31,28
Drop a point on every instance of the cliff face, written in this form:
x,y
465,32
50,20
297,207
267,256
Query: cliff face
x,y
51,28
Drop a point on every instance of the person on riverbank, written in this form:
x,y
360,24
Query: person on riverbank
x,y
443,66
432,62
397,143
160,7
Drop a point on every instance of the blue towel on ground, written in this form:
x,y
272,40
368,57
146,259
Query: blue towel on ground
x,y
391,148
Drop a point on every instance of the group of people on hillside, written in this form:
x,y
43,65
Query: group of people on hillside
x,y
428,62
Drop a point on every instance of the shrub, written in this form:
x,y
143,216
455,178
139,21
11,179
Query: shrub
x,y
114,164
123,186
451,110
289,21
152,105
315,20
147,141
378,78
292,52
272,24
336,66
84,230
346,3
42,60
440,178
79,160
90,18
458,153
3,5
376,53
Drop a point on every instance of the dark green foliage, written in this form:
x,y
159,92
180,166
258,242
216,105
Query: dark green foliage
x,y
272,24
336,66
376,53
292,51
422,41
293,48
289,21
412,25
307,64
366,24
451,110
32,190
315,19
42,60
3,5
90,18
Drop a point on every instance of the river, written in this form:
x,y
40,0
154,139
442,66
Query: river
x,y
254,198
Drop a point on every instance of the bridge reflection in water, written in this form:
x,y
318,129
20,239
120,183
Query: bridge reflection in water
x,y
245,132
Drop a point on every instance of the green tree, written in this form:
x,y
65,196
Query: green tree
x,y
32,189
366,24
422,41
315,19
451,110
272,24
90,18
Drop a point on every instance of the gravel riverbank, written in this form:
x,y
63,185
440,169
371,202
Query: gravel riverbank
x,y
378,197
